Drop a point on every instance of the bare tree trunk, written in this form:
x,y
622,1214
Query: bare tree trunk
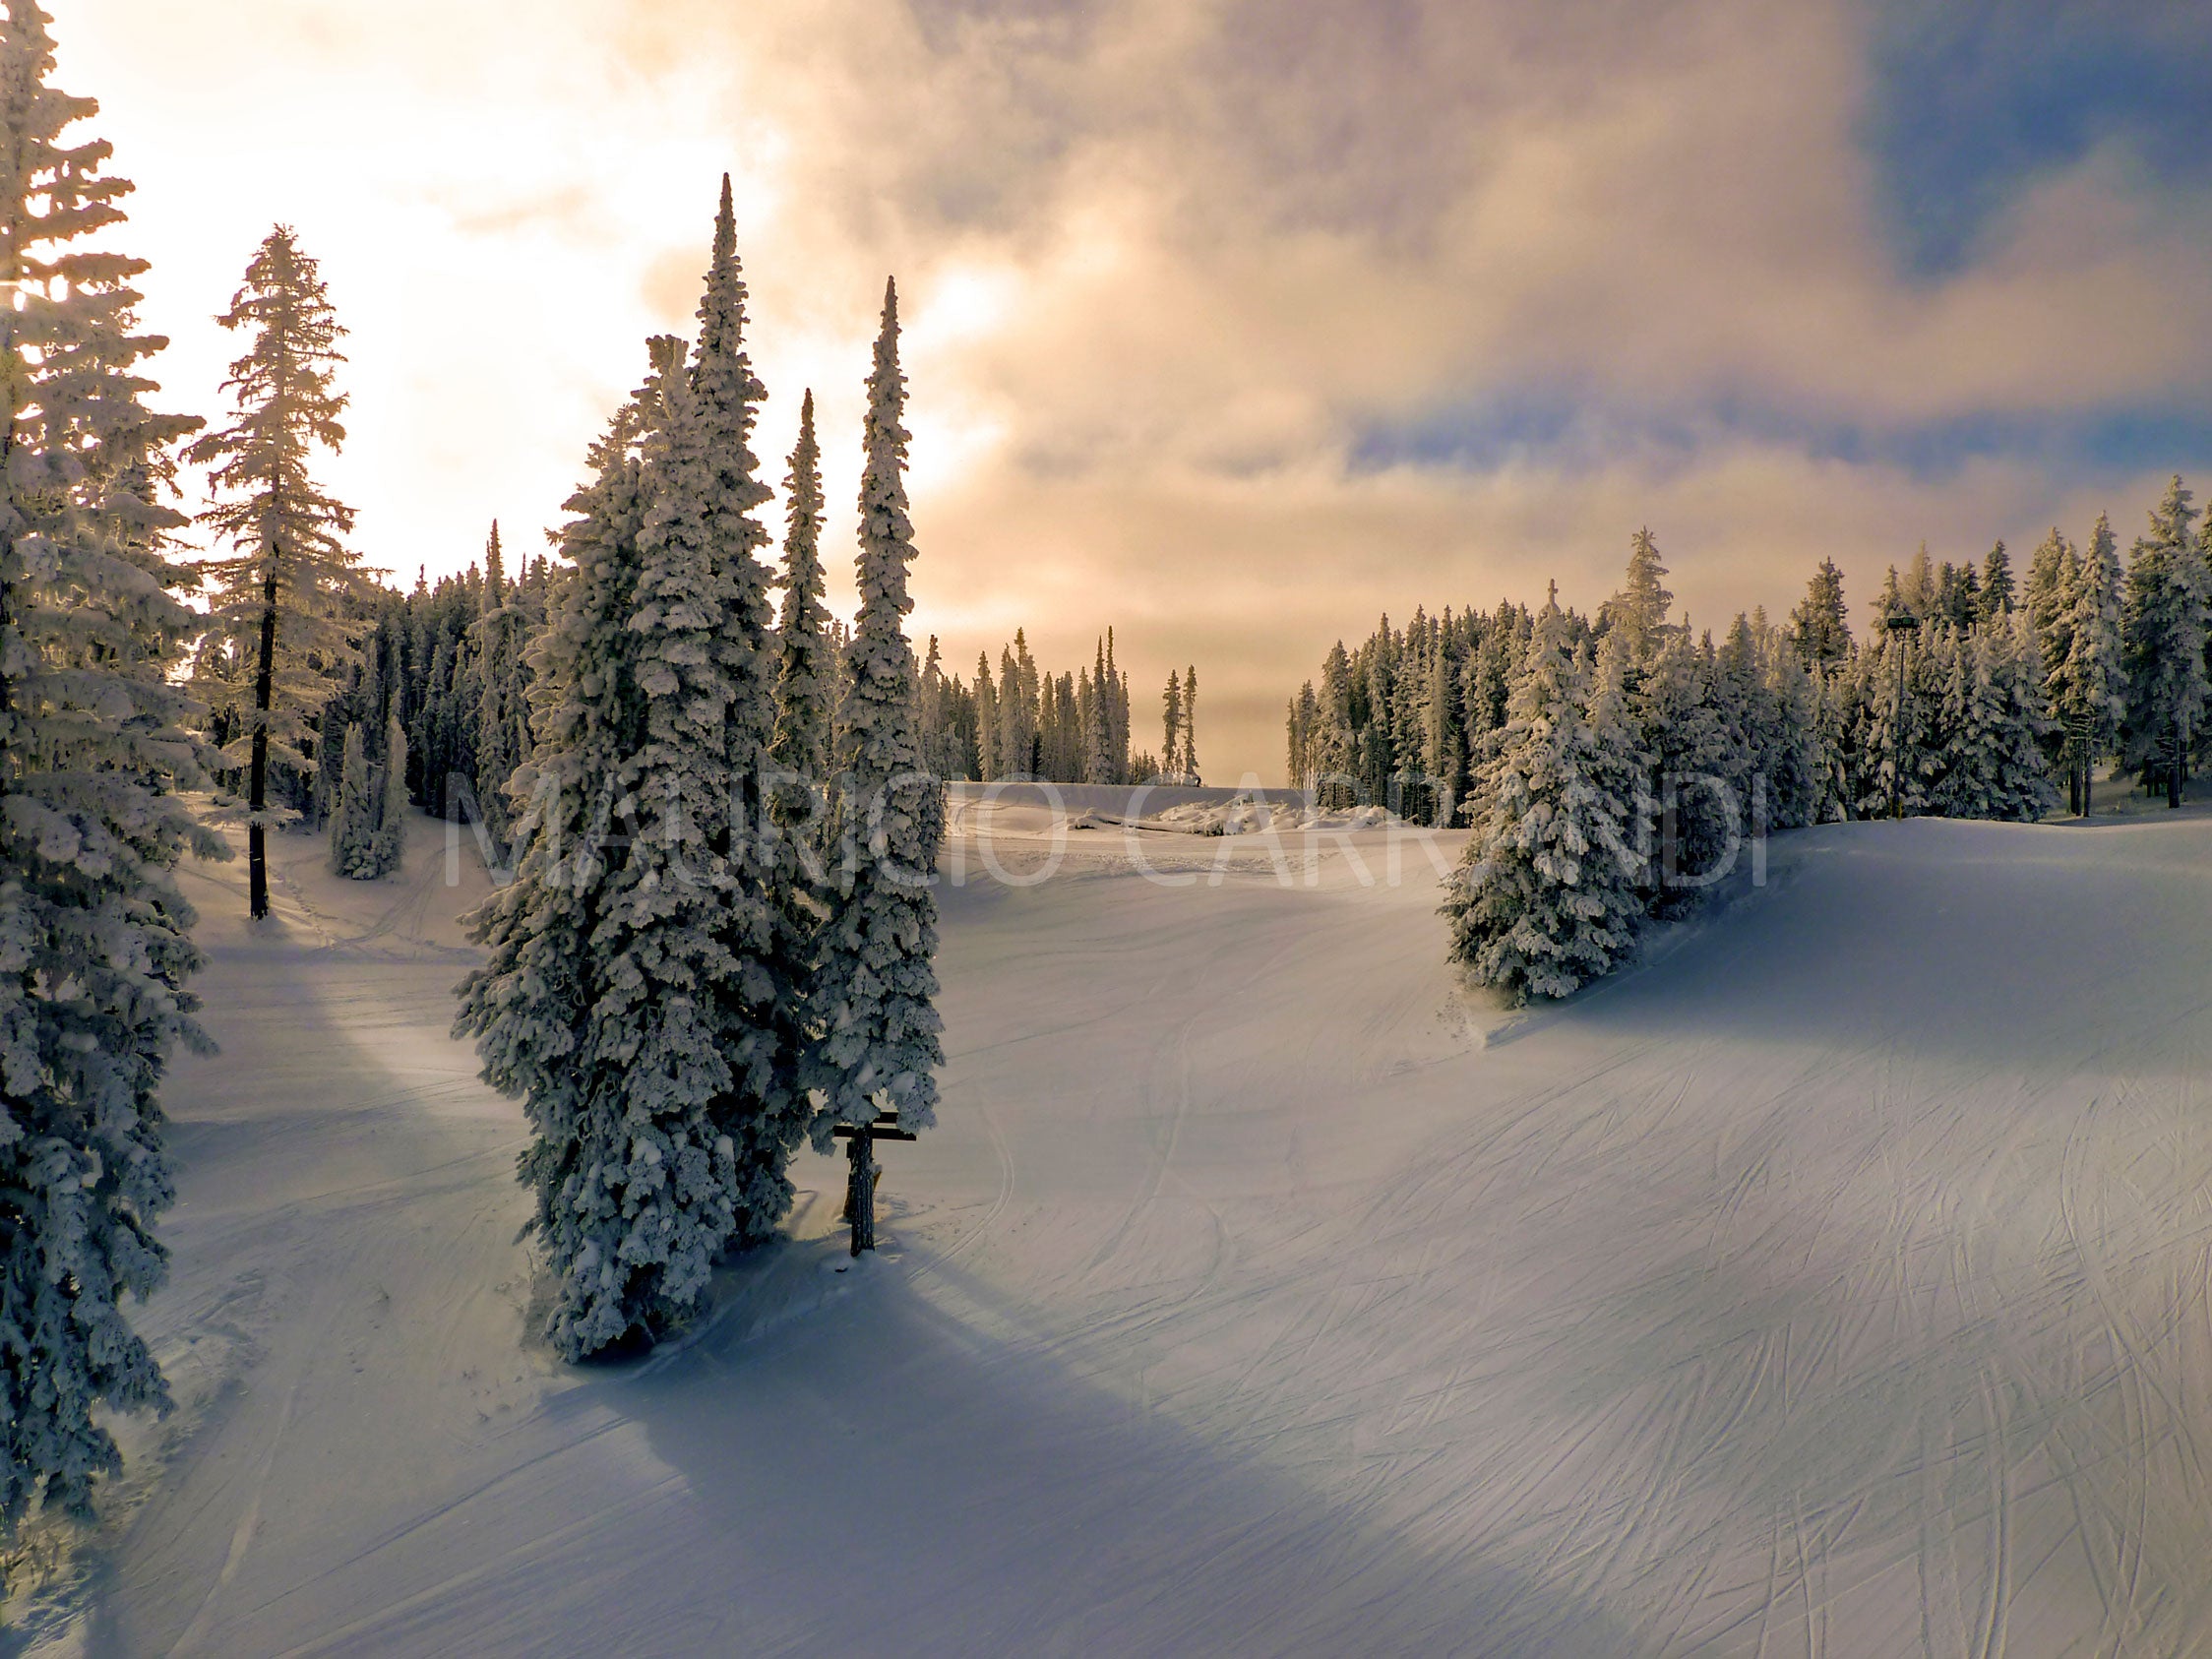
x,y
860,1190
257,846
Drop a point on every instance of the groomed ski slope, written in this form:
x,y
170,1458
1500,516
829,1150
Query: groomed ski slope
x,y
1836,1284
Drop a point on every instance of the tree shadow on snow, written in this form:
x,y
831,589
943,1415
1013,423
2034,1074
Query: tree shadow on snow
x,y
875,1474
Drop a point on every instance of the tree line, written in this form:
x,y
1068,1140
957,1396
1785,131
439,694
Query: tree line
x,y
1611,764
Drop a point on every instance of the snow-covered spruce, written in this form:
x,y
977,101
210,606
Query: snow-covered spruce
x,y
95,942
502,721
804,676
353,820
708,499
280,599
2167,610
873,993
2088,688
596,1001
641,990
389,851
1546,898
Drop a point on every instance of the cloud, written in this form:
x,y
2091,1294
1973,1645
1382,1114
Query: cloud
x,y
1232,322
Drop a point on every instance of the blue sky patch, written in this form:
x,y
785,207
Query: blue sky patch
x,y
1973,102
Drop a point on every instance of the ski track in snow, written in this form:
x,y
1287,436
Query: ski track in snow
x,y
1834,1285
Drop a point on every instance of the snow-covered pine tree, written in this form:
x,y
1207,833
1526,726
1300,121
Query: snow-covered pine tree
x,y
804,676
1997,589
389,851
1542,901
1171,719
2019,789
353,813
1117,714
2164,624
1098,739
1892,736
1685,730
986,720
707,494
281,596
1964,729
1445,745
93,934
1795,764
1917,589
502,721
2048,594
1820,626
2088,689
875,989
1641,606
1189,764
596,1002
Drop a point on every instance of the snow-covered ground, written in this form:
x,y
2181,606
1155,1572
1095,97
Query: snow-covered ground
x,y
1837,1285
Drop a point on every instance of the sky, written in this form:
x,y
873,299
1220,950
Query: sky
x,y
1232,323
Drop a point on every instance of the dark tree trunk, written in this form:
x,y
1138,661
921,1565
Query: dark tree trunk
x,y
265,681
860,1190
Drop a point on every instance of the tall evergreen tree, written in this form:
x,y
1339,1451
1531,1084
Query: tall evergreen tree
x,y
502,721
283,594
603,1035
390,849
805,677
1997,592
2165,621
1098,738
2048,594
1642,605
353,817
1816,627
1544,899
1191,721
875,988
708,494
2088,689
1686,730
94,941
1171,720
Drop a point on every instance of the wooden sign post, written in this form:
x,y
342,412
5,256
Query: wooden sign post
x,y
860,1179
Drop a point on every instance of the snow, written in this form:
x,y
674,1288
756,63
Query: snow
x,y
1835,1282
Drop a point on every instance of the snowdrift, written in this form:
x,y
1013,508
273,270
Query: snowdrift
x,y
1837,1283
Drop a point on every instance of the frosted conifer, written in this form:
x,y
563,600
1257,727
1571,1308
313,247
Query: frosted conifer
x,y
2088,691
1189,764
353,814
280,596
874,995
806,678
596,1002
502,721
1098,758
389,851
1542,902
2164,624
708,491
94,936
